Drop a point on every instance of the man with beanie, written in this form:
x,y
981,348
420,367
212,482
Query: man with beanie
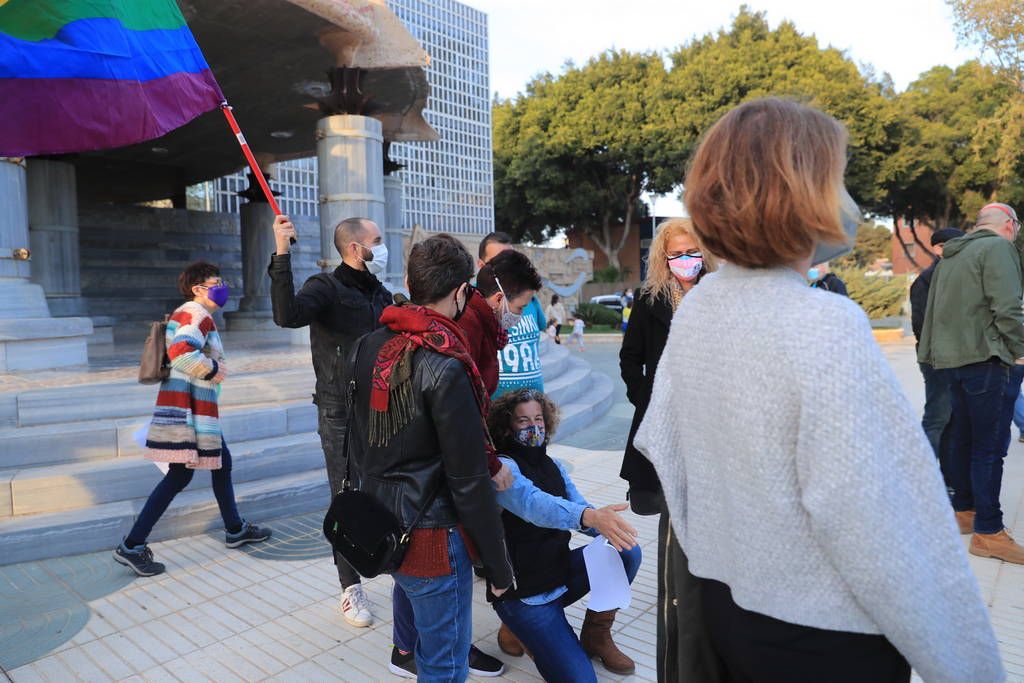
x,y
938,400
974,331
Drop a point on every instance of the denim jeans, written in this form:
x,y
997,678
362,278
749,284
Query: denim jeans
x,y
938,411
332,421
544,631
442,608
1018,413
983,398
176,479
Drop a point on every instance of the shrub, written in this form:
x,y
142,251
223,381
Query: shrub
x,y
880,297
596,314
607,274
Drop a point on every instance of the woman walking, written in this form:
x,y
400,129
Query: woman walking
x,y
185,429
794,470
675,265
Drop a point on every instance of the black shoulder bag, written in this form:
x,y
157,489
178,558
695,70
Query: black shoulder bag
x,y
358,526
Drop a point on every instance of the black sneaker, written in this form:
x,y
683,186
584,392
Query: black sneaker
x,y
249,533
402,665
139,559
482,664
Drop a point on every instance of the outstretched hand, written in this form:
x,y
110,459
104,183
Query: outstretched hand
x,y
610,524
284,234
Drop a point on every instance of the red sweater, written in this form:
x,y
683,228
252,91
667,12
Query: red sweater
x,y
485,338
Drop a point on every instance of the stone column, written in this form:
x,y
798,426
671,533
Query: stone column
x,y
29,338
53,234
350,151
393,226
256,219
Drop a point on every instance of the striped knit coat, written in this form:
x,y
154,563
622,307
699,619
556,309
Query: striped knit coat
x,y
186,425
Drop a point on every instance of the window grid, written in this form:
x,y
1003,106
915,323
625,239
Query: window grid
x,y
449,183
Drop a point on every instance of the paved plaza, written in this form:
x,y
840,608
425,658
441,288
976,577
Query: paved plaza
x,y
269,612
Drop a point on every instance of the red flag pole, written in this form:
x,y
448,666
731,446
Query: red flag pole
x,y
256,171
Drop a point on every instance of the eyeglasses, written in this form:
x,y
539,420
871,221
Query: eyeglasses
x,y
218,283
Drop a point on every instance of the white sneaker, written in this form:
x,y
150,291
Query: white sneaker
x,y
355,606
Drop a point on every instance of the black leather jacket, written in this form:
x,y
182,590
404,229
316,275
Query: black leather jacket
x,y
339,308
443,442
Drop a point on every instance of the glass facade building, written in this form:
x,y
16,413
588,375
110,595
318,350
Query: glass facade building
x,y
448,183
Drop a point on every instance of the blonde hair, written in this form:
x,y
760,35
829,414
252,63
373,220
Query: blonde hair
x,y
766,183
659,276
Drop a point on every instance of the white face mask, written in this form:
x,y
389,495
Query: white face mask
x,y
379,260
508,318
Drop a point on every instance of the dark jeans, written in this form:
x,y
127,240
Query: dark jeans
x,y
544,630
938,411
176,479
983,398
756,648
332,418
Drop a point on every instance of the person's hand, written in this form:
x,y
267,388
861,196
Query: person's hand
x,y
503,479
284,233
611,525
498,592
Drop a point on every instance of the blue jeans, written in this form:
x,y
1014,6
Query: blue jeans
x,y
983,398
176,479
938,411
544,630
442,608
1018,413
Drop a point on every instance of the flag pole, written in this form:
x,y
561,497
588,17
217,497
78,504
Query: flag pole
x,y
255,167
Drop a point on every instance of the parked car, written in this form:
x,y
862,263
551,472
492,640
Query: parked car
x,y
612,301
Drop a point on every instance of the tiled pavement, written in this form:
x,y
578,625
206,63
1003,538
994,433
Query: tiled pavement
x,y
270,612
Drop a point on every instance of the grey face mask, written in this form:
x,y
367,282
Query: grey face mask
x,y
849,214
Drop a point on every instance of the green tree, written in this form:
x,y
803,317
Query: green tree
x,y
577,151
873,242
715,73
997,26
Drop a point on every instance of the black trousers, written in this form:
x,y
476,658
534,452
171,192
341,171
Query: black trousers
x,y
332,419
756,648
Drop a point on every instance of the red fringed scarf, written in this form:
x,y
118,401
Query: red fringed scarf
x,y
391,400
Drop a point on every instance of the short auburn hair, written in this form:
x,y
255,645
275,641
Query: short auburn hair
x,y
766,183
499,417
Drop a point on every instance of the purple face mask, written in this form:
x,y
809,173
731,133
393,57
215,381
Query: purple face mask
x,y
218,294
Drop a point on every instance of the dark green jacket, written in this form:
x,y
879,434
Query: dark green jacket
x,y
974,304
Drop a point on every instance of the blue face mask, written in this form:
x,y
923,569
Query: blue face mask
x,y
813,274
531,436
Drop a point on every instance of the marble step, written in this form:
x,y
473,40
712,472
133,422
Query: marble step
x,y
567,386
88,441
73,486
592,404
193,511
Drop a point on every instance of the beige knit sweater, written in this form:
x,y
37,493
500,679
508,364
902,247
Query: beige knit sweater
x,y
796,472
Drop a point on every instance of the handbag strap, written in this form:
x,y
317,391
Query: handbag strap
x,y
346,482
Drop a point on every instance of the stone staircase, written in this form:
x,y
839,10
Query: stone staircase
x,y
72,478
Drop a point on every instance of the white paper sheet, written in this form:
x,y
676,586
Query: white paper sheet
x,y
139,437
609,587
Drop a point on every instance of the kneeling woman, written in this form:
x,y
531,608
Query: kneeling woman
x,y
540,509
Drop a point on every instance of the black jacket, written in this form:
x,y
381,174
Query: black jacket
x,y
641,350
339,308
919,299
831,282
443,442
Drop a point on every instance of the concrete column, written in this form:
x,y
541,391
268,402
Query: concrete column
x,y
53,234
254,309
350,151
393,227
29,338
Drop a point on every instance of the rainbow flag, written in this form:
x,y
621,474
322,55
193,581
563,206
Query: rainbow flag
x,y
80,75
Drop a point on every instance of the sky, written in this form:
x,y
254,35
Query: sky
x,y
528,37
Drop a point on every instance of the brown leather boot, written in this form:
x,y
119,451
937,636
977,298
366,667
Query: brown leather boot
x,y
508,642
596,639
1000,546
965,520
